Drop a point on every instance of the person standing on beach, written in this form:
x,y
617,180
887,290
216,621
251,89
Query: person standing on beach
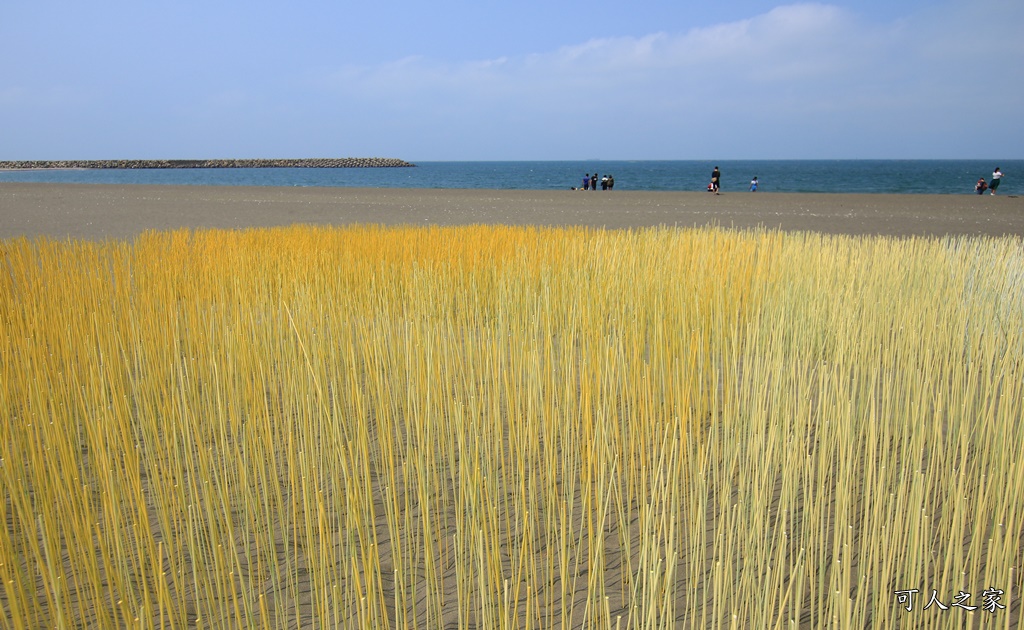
x,y
753,184
586,182
716,175
593,181
611,182
996,176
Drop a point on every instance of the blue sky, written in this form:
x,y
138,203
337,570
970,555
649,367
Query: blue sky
x,y
527,80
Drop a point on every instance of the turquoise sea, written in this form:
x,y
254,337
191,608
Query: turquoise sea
x,y
952,177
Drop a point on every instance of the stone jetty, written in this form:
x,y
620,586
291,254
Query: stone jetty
x,y
243,163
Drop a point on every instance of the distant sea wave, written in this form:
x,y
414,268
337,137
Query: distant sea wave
x,y
821,176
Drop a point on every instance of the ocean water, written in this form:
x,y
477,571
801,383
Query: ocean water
x,y
826,176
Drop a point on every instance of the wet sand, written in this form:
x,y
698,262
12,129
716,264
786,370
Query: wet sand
x,y
99,211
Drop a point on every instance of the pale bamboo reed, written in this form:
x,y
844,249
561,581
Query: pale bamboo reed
x,y
508,427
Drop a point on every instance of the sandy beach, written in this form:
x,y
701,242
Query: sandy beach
x,y
97,211
553,493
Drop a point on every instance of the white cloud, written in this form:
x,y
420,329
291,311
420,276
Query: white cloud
x,y
801,80
786,32
793,76
788,44
807,79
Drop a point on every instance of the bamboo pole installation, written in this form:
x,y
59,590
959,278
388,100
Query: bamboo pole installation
x,y
510,428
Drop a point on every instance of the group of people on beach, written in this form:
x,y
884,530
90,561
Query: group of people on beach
x,y
981,186
716,179
590,182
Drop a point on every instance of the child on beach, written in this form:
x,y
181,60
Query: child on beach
x,y
981,186
753,185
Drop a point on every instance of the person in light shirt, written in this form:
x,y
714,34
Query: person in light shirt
x,y
996,176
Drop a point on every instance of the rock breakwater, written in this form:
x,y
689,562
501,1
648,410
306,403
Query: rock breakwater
x,y
242,163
